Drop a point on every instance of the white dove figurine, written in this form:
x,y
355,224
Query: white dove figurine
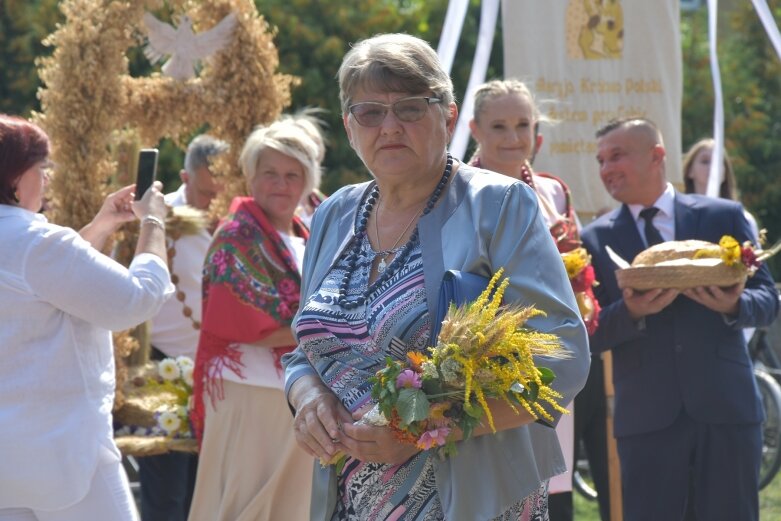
x,y
184,46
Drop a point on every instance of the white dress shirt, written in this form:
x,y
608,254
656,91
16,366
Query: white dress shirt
x,y
59,301
664,220
172,332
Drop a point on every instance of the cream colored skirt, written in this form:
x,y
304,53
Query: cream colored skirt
x,y
250,467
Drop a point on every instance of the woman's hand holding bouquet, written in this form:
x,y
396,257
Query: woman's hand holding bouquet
x,y
483,353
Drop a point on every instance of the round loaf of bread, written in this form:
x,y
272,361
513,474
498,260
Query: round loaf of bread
x,y
672,265
673,250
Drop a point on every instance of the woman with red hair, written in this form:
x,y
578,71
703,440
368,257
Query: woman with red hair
x,y
60,298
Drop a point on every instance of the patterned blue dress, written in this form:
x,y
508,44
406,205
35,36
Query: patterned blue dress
x,y
346,347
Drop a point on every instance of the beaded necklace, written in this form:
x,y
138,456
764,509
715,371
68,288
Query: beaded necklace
x,y
187,311
403,253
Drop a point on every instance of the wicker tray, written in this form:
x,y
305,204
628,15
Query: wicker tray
x,y
142,400
153,445
139,409
681,276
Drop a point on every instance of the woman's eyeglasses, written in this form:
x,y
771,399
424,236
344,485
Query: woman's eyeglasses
x,y
408,110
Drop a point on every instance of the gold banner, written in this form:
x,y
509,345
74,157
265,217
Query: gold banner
x,y
590,61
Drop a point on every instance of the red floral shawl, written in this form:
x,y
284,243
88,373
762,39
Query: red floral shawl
x,y
251,287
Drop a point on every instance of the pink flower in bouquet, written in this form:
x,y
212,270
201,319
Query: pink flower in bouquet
x,y
433,438
409,379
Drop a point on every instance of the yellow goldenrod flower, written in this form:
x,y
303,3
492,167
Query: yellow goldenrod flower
x,y
730,250
575,261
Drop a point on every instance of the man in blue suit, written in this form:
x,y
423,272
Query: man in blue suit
x,y
686,405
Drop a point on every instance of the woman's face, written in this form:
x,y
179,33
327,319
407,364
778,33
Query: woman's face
x,y
30,188
700,170
397,149
278,186
504,129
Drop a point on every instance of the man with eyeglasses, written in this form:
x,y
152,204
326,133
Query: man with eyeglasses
x,y
686,405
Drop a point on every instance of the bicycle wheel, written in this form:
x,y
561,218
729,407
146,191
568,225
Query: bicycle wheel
x,y
581,480
770,392
763,352
131,469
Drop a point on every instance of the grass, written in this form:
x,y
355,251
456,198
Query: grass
x,y
769,504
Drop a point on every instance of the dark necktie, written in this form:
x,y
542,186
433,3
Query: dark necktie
x,y
652,235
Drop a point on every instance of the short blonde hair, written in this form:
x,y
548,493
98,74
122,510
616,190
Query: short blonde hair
x,y
308,119
393,63
286,137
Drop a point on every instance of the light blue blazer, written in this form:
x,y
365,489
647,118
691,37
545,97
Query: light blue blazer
x,y
483,222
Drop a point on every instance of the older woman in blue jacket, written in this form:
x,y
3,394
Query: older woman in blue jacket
x,y
372,273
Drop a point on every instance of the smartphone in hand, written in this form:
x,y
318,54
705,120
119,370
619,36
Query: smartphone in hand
x,y
147,171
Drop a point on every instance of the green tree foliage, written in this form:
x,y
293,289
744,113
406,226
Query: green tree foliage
x,y
23,26
313,37
751,81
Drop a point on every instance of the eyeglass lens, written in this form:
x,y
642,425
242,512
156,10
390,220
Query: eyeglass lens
x,y
372,114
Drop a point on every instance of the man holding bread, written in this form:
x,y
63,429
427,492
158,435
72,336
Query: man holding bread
x,y
686,405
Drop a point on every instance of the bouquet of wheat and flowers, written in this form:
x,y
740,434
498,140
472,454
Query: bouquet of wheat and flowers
x,y
484,351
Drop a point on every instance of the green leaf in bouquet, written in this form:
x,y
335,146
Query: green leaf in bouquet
x,y
340,465
432,386
546,375
412,405
449,449
386,408
473,410
468,424
533,391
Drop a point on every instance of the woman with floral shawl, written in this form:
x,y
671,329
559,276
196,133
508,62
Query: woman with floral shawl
x,y
250,295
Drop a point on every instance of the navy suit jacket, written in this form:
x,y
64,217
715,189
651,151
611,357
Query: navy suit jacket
x,y
687,357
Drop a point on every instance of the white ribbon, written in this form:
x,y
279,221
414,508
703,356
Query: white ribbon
x,y
770,24
717,156
451,32
489,12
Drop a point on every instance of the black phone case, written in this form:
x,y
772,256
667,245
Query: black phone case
x,y
147,171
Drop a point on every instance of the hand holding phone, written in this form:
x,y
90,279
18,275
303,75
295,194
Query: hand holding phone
x,y
147,171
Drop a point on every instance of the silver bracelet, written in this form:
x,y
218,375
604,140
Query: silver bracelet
x,y
156,221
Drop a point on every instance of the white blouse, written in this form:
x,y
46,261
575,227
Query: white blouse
x,y
172,332
59,301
